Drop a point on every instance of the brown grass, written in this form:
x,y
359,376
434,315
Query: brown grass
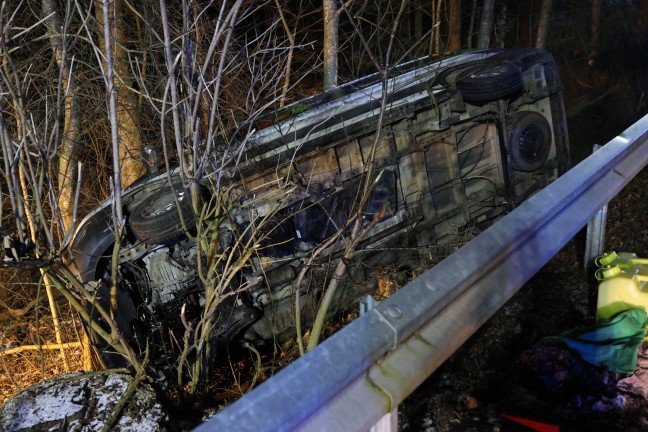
x,y
20,370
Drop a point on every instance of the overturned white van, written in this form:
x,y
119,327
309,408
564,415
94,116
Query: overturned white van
x,y
423,157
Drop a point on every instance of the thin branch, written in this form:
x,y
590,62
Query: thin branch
x,y
53,346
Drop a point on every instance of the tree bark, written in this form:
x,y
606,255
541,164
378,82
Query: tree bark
x,y
418,20
471,26
433,30
437,27
454,35
130,141
596,20
486,24
331,20
543,25
69,101
523,13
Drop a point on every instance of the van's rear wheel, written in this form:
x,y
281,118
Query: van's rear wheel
x,y
529,140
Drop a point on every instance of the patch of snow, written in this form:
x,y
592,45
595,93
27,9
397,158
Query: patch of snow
x,y
81,403
42,404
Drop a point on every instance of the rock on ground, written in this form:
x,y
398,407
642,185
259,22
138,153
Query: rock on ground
x,y
82,402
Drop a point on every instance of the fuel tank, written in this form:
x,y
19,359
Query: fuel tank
x,y
623,284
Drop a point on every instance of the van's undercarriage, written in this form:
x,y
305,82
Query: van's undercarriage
x,y
450,147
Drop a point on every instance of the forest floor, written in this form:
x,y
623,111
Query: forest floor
x,y
26,357
506,367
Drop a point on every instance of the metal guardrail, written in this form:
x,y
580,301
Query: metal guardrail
x,y
352,379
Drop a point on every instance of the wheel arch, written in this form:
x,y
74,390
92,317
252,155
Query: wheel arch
x,y
91,243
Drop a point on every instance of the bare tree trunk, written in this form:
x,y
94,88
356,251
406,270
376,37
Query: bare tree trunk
x,y
433,31
471,26
291,40
130,141
486,25
523,13
501,24
454,35
596,21
418,20
71,113
106,17
331,20
543,25
437,28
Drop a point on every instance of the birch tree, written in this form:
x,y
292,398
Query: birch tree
x,y
70,105
129,137
486,24
543,24
331,15
435,33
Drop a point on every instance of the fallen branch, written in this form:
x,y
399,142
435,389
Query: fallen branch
x,y
19,313
12,314
55,346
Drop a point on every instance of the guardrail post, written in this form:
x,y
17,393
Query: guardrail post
x,y
595,240
389,422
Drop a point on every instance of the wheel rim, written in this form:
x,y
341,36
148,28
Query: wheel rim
x,y
531,144
529,140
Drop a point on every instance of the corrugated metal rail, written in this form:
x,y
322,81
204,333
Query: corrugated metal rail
x,y
356,376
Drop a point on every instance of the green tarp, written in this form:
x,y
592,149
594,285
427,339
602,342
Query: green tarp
x,y
611,344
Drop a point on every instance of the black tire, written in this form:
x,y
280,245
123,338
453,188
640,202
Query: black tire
x,y
490,81
529,140
157,220
125,319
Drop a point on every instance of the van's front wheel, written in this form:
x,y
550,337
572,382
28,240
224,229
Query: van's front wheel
x,y
159,218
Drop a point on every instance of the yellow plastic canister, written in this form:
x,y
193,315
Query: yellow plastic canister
x,y
623,284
